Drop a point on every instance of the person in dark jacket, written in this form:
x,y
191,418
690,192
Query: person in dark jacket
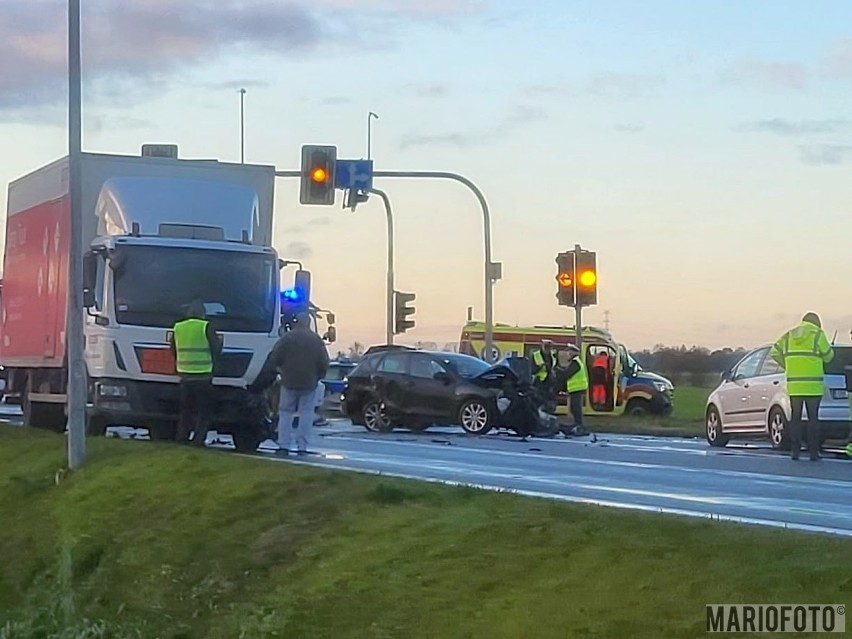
x,y
195,346
301,360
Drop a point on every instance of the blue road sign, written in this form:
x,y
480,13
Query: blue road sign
x,y
354,174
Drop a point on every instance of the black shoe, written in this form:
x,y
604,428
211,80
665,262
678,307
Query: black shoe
x,y
579,431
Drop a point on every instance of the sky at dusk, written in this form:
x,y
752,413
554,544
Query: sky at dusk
x,y
702,149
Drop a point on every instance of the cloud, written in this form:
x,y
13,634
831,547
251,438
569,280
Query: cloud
x,y
146,41
780,126
629,128
432,91
838,59
519,117
772,75
297,251
335,101
623,85
236,85
825,154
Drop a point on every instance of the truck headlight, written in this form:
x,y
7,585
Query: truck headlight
x,y
663,387
112,390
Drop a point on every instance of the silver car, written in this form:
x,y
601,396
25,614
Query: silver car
x,y
752,402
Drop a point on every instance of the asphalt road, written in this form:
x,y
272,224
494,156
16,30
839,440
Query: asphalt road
x,y
746,482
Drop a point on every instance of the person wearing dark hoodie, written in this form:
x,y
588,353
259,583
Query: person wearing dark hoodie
x,y
301,360
803,352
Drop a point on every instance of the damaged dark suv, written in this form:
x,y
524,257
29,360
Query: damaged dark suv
x,y
399,386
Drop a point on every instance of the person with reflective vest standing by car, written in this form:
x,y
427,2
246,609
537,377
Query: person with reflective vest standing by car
x,y
544,362
803,352
194,345
577,385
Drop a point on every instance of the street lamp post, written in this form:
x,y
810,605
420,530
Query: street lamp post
x,y
242,126
370,117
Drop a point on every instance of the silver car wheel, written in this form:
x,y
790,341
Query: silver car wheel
x,y
474,417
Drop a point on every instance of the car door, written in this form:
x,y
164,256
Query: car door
x,y
391,384
430,387
763,388
738,408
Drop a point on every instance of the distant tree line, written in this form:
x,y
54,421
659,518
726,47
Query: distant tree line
x,y
694,365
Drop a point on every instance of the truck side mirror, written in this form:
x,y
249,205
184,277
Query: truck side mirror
x,y
90,278
330,318
331,335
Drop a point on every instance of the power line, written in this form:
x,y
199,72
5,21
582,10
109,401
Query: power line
x,y
606,320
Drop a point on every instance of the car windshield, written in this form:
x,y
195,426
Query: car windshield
x,y
466,366
155,284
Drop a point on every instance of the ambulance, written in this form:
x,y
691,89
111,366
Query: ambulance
x,y
619,387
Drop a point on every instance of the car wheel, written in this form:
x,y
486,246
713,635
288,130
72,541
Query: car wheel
x,y
375,419
638,407
713,428
475,418
779,433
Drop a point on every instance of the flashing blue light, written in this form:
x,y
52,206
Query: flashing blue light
x,y
291,295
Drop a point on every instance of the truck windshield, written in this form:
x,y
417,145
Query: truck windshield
x,y
154,286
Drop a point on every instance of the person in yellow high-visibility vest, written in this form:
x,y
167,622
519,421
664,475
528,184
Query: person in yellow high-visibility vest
x,y
195,344
577,386
802,352
543,364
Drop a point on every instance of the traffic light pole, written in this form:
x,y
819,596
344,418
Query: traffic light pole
x,y
491,269
578,308
390,274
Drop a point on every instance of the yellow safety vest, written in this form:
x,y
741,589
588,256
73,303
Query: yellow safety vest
x,y
580,380
802,353
193,349
538,360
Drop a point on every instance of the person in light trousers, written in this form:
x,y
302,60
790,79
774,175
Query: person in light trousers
x,y
302,361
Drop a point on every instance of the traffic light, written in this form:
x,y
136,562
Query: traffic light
x,y
401,311
318,165
587,279
565,279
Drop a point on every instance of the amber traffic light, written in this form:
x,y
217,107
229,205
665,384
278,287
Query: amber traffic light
x,y
587,279
317,172
565,292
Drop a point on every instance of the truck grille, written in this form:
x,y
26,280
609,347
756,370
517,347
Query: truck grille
x,y
159,361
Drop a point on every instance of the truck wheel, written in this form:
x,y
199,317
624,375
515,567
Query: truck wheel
x,y
247,441
44,416
96,426
162,431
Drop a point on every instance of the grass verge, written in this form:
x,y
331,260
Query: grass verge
x,y
152,540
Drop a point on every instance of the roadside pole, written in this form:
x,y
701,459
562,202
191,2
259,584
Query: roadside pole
x,y
390,274
76,391
578,308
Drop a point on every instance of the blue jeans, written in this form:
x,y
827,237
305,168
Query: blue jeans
x,y
291,403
